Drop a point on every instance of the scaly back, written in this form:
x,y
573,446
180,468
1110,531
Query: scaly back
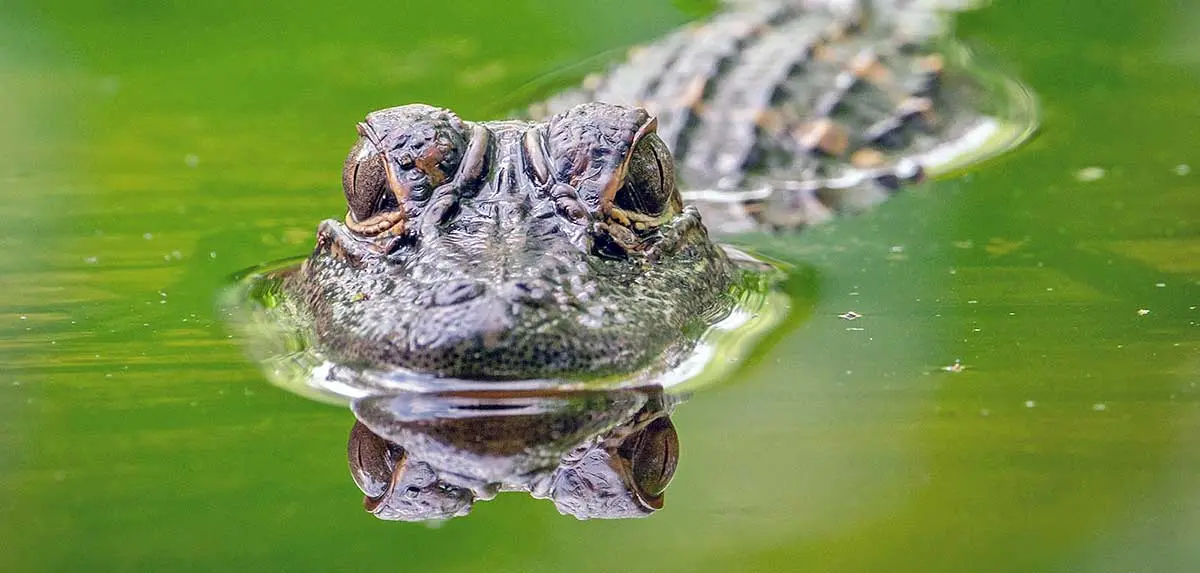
x,y
781,114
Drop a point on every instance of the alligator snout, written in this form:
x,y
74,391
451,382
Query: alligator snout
x,y
517,292
476,314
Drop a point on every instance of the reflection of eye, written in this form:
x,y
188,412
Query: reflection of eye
x,y
371,461
650,179
364,181
652,455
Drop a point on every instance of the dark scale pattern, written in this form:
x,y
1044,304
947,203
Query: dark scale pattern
x,y
738,115
683,86
742,98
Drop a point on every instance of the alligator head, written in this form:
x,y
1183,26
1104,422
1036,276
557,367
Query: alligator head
x,y
512,250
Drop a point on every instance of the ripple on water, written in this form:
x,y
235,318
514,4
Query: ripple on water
x,y
278,334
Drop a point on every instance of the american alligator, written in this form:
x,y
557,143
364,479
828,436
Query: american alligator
x,y
508,265
561,247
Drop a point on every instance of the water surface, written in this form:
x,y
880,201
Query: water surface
x,y
1019,394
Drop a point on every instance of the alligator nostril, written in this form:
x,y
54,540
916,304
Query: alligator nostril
x,y
456,292
532,293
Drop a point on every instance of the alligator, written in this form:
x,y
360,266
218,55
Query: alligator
x,y
572,244
561,246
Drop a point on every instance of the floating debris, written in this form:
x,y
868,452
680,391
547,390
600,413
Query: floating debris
x,y
1089,174
849,315
1099,407
1182,169
1030,403
1143,311
999,246
191,160
954,368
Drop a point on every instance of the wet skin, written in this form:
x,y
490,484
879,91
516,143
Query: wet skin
x,y
512,250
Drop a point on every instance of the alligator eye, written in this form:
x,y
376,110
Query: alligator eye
x,y
649,186
652,454
364,181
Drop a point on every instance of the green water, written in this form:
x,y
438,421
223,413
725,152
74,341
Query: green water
x,y
148,151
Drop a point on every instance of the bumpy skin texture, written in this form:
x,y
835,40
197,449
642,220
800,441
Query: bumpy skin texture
x,y
512,250
784,113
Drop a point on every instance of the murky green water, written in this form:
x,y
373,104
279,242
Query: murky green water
x,y
148,151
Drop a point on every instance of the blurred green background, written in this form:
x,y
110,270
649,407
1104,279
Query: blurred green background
x,y
147,151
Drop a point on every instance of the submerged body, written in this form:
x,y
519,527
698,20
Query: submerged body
x,y
781,114
561,247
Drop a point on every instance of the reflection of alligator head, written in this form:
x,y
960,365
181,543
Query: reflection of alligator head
x,y
596,454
